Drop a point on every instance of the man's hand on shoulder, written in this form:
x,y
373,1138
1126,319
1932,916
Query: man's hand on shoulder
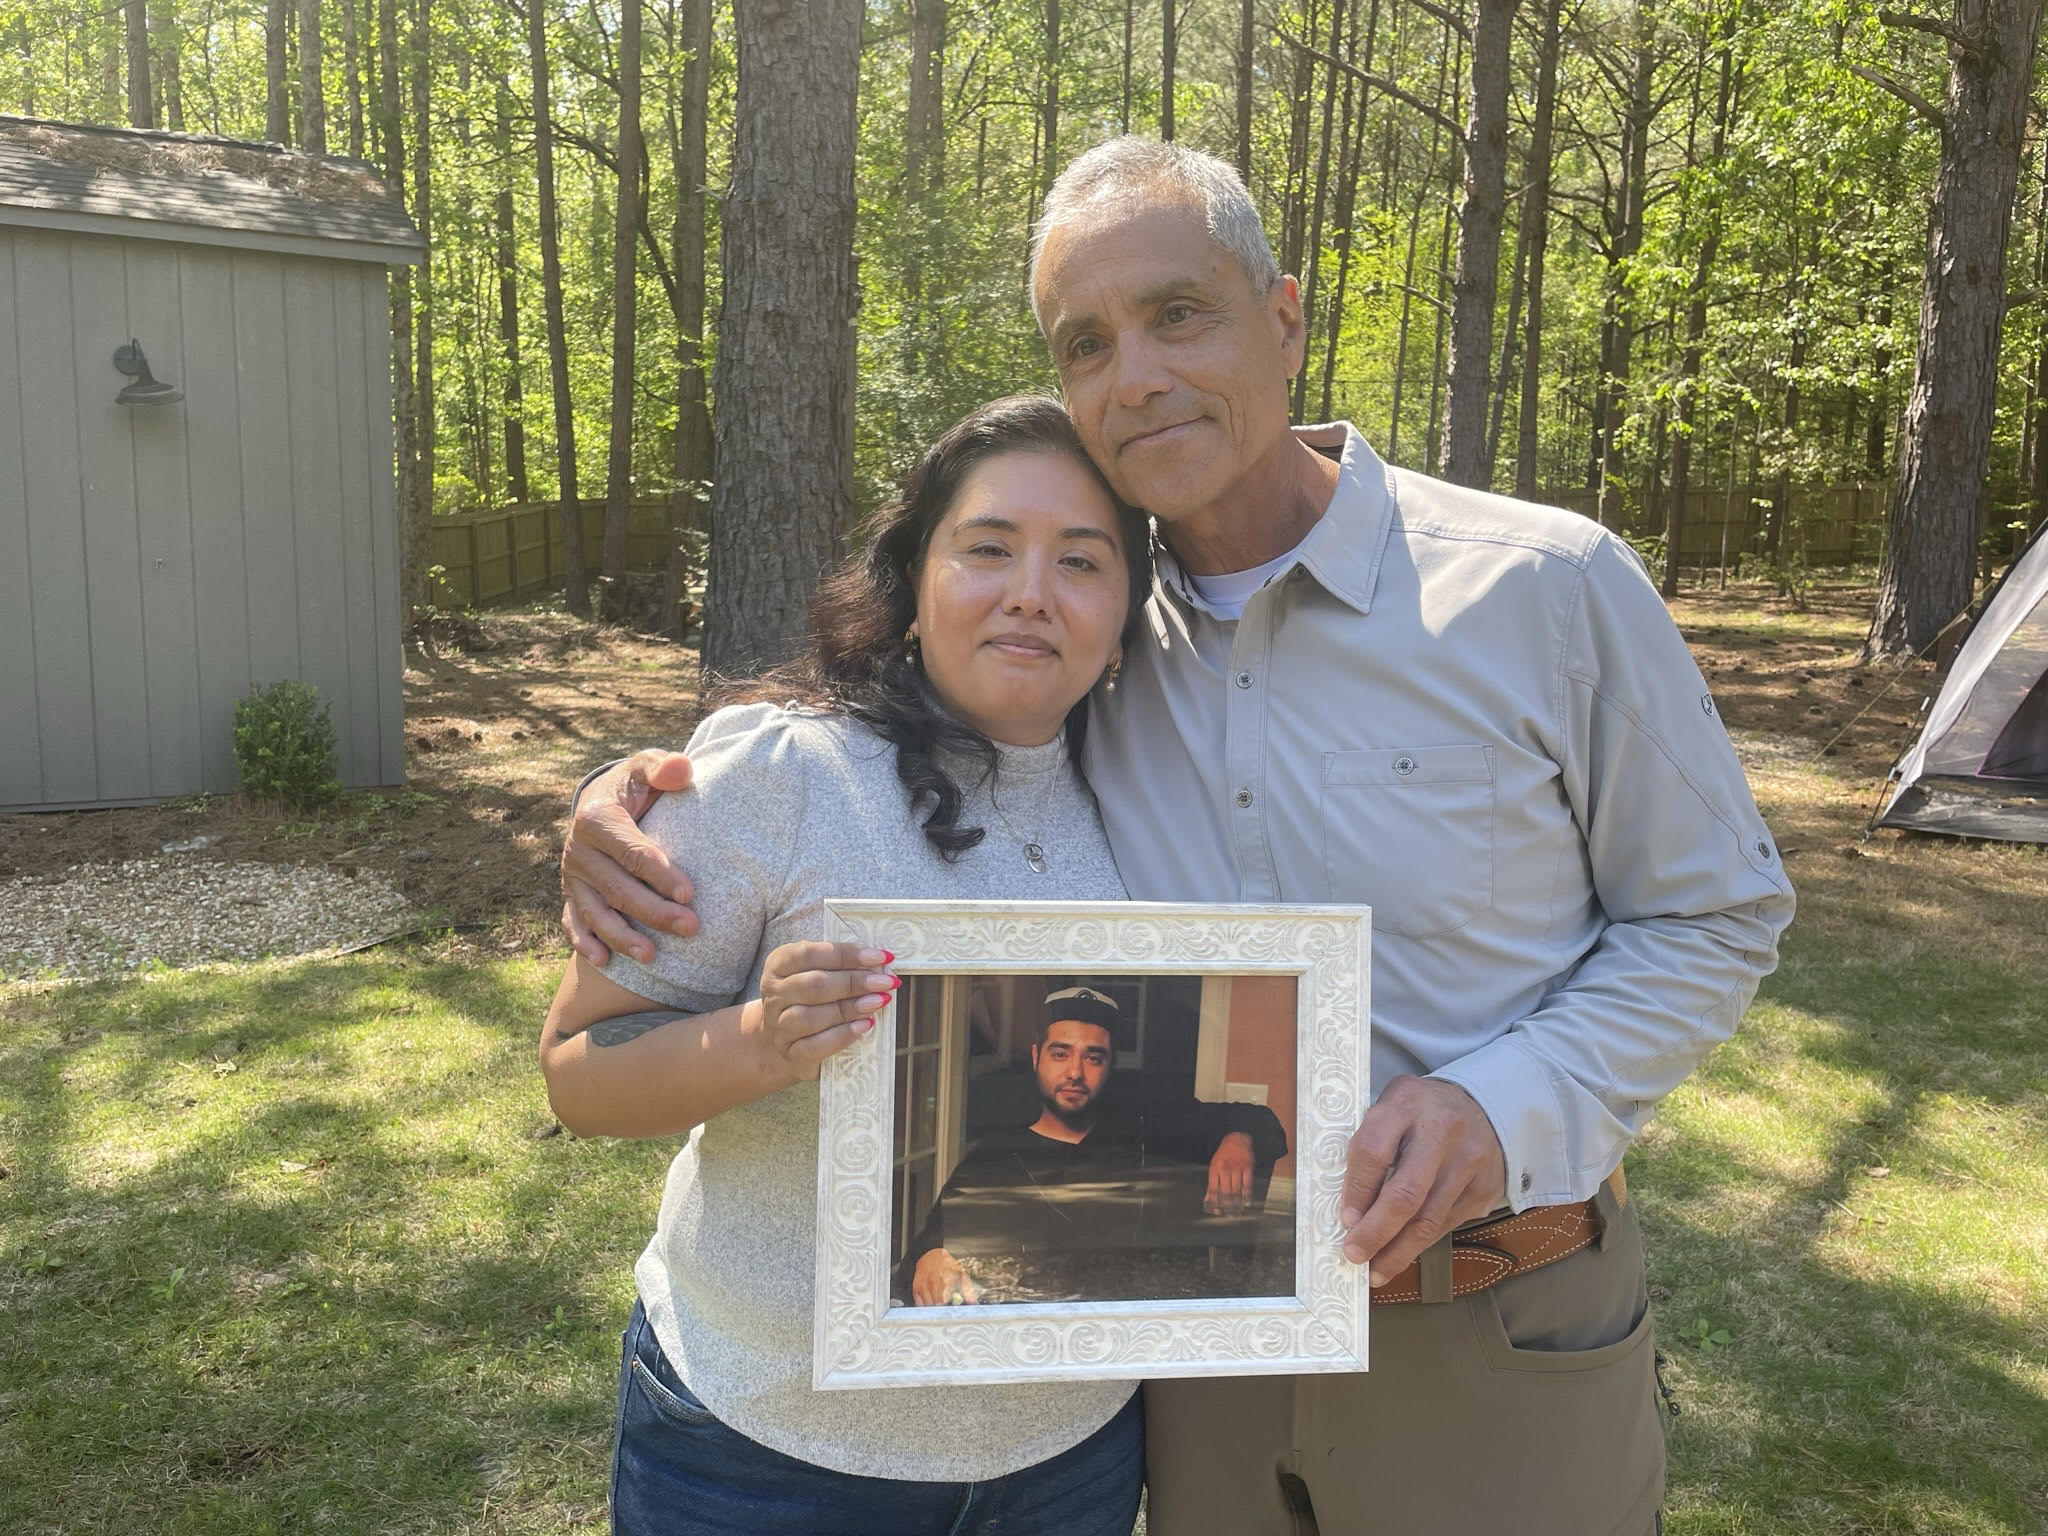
x,y
611,872
1423,1161
1230,1176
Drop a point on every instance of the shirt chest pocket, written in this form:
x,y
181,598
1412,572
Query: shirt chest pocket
x,y
1409,831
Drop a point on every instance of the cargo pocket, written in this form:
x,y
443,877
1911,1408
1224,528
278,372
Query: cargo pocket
x,y
1569,1358
1408,831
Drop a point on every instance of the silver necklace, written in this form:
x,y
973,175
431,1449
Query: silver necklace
x,y
1034,849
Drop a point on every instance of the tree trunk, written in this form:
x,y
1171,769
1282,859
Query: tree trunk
x,y
783,384
1879,429
618,490
1930,560
135,30
693,414
277,113
1617,331
1423,197
414,552
1476,286
923,139
1130,41
569,507
1696,324
1346,211
1300,119
312,91
924,122
2036,466
1510,348
1340,12
507,261
163,26
1433,435
1313,250
1536,220
423,220
1169,63
1049,115
1245,43
352,77
1781,482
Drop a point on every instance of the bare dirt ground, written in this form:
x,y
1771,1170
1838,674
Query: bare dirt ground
x,y
1793,674
506,712
502,716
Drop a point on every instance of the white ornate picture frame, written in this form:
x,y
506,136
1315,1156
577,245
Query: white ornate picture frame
x,y
861,1339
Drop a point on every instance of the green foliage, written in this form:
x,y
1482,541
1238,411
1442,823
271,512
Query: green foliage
x,y
1813,214
284,746
1706,1338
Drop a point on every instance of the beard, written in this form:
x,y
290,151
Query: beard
x,y
1080,1118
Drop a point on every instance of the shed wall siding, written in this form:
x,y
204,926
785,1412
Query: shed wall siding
x,y
21,765
157,562
387,631
163,519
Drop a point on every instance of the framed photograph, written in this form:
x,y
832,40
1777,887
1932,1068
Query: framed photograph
x,y
1094,1140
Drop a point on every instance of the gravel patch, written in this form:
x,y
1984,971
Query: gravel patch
x,y
98,919
1770,749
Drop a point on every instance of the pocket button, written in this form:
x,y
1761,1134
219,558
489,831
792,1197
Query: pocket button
x,y
1404,766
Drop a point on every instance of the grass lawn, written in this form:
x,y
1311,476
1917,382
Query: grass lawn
x,y
287,1246
283,1254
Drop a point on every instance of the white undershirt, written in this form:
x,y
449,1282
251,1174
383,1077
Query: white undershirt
x,y
1229,591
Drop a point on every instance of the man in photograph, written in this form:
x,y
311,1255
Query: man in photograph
x,y
1100,1197
1357,683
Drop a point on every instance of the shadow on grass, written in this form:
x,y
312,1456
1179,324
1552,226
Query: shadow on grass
x,y
1867,1390
339,1284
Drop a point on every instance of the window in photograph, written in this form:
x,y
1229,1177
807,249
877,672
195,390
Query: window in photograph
x,y
1074,1138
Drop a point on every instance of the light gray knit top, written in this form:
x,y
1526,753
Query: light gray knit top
x,y
791,808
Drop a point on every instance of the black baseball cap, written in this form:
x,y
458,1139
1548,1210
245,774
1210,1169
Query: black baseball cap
x,y
1083,1005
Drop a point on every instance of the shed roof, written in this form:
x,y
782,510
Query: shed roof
x,y
148,184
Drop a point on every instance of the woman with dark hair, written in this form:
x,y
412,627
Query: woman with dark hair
x,y
925,746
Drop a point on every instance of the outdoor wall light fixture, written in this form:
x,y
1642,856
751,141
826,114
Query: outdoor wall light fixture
x,y
147,388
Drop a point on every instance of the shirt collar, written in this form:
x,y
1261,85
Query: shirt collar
x,y
1344,549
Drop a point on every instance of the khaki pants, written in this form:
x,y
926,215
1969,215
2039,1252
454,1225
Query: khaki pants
x,y
1526,1410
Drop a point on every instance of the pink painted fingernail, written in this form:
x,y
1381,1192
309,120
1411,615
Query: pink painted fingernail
x,y
862,1026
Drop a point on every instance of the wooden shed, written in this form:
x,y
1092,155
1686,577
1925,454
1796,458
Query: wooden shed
x,y
196,469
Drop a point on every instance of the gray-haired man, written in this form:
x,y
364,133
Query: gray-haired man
x,y
1359,684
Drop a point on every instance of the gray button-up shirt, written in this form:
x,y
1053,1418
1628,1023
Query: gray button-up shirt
x,y
1476,716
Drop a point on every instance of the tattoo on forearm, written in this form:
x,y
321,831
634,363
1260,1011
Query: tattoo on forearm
x,y
629,1026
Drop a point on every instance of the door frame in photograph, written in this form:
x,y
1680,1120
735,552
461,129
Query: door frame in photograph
x,y
861,1339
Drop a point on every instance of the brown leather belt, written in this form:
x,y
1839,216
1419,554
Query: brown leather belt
x,y
1488,1252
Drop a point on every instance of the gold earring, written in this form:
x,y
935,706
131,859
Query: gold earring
x,y
1109,679
910,643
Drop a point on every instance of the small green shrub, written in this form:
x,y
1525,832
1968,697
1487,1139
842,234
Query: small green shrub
x,y
284,746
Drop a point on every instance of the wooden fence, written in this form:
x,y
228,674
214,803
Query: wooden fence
x,y
1826,525
505,554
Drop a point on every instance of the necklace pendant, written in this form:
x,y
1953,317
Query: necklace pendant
x,y
1035,857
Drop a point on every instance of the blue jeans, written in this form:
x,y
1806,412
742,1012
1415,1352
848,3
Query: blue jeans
x,y
678,1471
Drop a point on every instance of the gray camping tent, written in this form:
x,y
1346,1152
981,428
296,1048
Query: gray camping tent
x,y
1980,768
